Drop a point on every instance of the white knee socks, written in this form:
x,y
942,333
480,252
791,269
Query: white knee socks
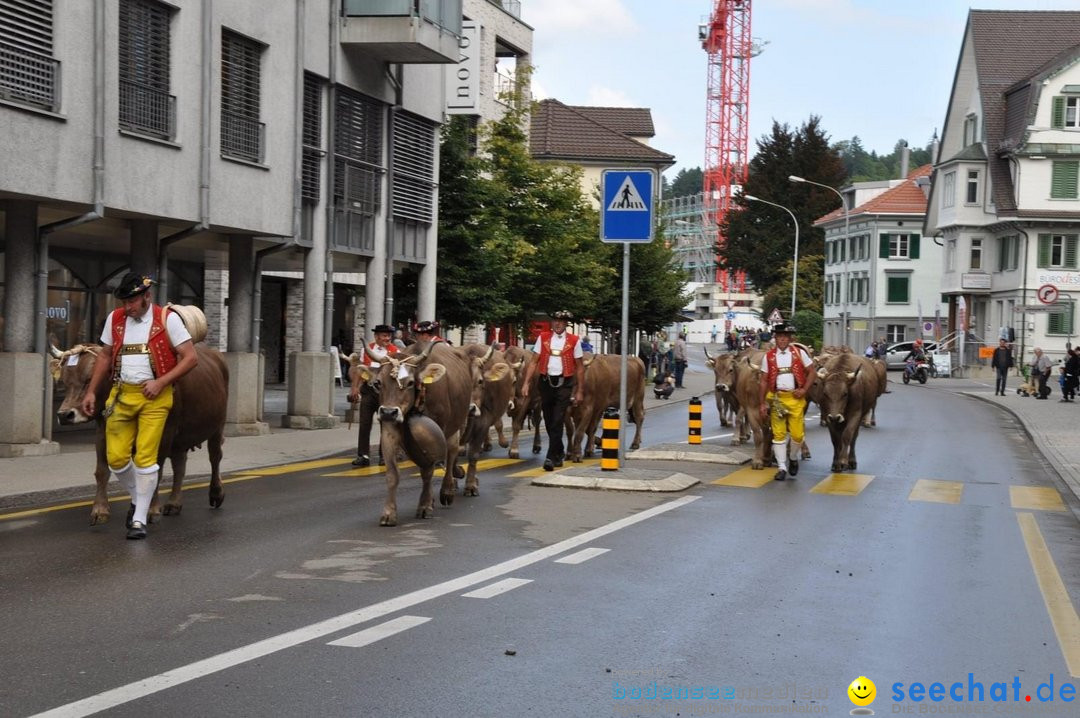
x,y
780,452
126,477
146,480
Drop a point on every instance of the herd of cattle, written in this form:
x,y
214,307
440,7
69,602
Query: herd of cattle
x,y
436,400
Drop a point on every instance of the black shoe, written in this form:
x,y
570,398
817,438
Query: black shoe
x,y
793,467
558,463
549,465
136,531
130,515
361,461
781,475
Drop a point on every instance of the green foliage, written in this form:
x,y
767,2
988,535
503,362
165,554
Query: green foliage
x,y
863,166
687,182
810,326
809,291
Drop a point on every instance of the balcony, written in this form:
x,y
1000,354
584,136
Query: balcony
x,y
29,78
404,31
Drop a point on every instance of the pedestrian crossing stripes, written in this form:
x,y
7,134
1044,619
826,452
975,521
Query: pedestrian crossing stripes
x,y
843,484
377,633
539,471
940,492
1035,498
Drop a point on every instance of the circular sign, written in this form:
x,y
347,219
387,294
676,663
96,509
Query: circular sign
x,y
730,315
1047,294
928,326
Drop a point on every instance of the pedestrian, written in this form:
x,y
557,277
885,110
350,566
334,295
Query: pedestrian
x,y
1072,374
362,391
586,346
562,375
664,385
712,335
679,355
428,331
399,339
1040,370
872,351
148,350
787,377
1002,362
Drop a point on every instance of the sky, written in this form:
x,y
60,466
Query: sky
x,y
881,70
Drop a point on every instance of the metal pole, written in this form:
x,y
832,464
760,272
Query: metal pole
x,y
845,290
622,359
795,269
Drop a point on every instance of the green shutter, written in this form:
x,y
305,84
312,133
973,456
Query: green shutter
x,y
1070,251
1060,322
897,290
1044,251
1063,182
1002,248
1057,117
883,250
913,246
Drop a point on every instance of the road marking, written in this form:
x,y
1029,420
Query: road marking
x,y
298,466
370,470
746,477
1058,604
842,484
1035,498
539,471
377,633
486,464
497,588
941,492
237,656
582,556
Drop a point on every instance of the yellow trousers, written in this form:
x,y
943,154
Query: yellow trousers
x,y
793,421
135,425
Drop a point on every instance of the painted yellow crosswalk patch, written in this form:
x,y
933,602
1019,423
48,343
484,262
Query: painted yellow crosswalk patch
x,y
940,492
370,470
747,478
1035,498
299,466
843,484
539,470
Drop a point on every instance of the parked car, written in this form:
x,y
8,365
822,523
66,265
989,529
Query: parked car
x,y
894,355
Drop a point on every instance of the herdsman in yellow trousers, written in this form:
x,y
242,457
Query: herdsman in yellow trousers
x,y
149,349
788,375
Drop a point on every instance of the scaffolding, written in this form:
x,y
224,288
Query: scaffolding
x,y
686,235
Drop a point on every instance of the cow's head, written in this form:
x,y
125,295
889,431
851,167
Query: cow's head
x,y
399,382
73,368
481,377
835,388
724,372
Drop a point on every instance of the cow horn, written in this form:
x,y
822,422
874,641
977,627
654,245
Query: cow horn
x,y
427,351
490,351
376,355
57,354
707,355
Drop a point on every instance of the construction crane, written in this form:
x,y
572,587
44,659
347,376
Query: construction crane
x,y
726,38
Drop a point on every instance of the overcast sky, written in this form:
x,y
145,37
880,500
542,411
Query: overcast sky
x,y
879,69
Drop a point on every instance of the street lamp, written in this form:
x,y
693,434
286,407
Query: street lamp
x,y
845,290
795,268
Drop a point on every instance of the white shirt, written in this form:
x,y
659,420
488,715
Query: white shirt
x,y
785,380
135,368
558,341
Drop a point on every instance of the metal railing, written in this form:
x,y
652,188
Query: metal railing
x,y
505,88
29,77
242,137
147,111
444,13
511,6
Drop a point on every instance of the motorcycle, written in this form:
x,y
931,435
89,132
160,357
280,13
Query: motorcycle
x,y
920,370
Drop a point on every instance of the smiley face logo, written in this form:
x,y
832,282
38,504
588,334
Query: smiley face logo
x,y
862,691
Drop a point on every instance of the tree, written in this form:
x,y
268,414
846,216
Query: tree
x,y
686,183
808,291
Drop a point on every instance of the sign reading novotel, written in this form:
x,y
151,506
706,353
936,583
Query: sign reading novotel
x,y
463,79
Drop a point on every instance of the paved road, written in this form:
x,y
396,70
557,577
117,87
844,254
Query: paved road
x,y
292,601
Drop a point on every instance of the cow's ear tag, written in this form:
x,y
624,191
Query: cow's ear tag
x,y
428,380
73,360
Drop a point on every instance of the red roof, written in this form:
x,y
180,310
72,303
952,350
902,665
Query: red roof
x,y
904,198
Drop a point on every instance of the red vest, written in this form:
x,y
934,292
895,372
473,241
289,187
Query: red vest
x,y
797,367
567,353
391,348
162,356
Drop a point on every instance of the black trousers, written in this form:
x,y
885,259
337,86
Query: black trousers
x,y
369,404
1044,390
554,401
1002,374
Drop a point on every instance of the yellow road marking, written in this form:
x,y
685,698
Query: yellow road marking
x,y
843,484
370,470
299,466
1035,498
747,478
1058,604
539,471
941,492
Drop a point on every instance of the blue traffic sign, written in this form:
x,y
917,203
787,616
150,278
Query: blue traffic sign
x,y
627,211
729,315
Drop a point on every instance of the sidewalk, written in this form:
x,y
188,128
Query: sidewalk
x,y
69,475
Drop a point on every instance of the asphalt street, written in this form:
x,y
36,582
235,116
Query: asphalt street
x,y
928,565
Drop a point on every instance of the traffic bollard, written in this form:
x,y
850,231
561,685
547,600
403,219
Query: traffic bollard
x,y
695,421
609,441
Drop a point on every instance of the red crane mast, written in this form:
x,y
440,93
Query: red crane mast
x,y
726,38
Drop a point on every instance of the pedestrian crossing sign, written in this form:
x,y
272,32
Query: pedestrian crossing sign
x,y
627,205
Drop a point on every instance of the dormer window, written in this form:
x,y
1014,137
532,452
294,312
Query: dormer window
x,y
971,130
1066,112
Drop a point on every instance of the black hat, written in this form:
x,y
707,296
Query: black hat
x,y
132,285
784,328
563,315
427,327
383,329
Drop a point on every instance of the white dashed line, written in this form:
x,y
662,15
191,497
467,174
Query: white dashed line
x,y
507,584
582,556
377,633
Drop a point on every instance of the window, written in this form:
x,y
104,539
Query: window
x,y
413,193
1057,251
359,123
28,73
1066,112
1008,253
950,256
895,333
1063,179
897,289
972,196
971,127
146,106
948,190
1061,322
312,131
241,131
976,253
828,292
899,246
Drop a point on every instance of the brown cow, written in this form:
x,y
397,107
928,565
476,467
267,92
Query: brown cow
x,y
430,378
523,408
197,416
723,366
748,377
849,389
491,392
601,391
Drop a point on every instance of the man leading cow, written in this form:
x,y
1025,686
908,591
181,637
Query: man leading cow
x,y
562,381
787,377
363,392
149,350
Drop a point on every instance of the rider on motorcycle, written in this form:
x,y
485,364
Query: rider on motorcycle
x,y
914,357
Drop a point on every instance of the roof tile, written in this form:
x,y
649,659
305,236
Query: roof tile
x,y
563,132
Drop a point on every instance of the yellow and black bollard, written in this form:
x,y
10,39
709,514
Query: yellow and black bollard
x,y
695,421
609,441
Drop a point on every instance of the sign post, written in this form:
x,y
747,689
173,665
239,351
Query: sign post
x,y
626,216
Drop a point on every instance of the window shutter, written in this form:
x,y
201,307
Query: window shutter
x,y
1070,251
897,289
1057,116
143,53
358,148
241,131
883,250
312,131
1063,183
1043,261
28,72
913,246
413,192
1061,322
